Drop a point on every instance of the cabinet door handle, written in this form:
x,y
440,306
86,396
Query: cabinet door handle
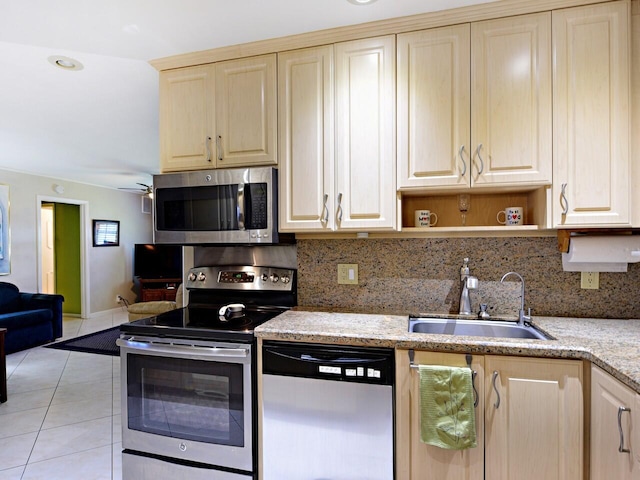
x,y
621,448
480,157
476,398
207,145
324,217
219,147
495,388
339,210
464,164
564,202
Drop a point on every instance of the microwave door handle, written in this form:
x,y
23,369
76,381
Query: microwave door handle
x,y
240,204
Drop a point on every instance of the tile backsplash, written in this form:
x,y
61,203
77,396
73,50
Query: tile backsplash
x,y
406,276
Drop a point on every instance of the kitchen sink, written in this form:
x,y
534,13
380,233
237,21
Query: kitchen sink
x,y
475,328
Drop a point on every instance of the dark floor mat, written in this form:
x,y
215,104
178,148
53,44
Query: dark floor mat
x,y
102,342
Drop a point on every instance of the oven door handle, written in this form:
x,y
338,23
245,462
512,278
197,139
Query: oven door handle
x,y
152,348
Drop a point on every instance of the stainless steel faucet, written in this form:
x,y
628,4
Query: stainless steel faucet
x,y
469,282
522,318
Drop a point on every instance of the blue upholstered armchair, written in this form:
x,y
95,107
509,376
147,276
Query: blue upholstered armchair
x,y
30,318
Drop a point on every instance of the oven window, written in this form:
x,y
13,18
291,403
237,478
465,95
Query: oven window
x,y
187,399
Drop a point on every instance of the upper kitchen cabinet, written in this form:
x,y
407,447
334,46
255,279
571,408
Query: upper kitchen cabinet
x,y
305,96
591,47
434,107
187,122
365,114
346,181
474,105
219,115
246,112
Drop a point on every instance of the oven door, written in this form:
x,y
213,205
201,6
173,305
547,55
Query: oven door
x,y
188,400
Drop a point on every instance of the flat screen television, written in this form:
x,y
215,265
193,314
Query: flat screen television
x,y
157,261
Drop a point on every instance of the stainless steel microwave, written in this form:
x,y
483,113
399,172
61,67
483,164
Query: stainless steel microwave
x,y
226,206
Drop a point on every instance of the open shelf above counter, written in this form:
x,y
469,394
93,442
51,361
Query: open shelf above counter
x,y
469,212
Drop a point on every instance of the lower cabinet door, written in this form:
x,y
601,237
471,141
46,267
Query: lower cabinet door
x,y
608,396
417,460
534,416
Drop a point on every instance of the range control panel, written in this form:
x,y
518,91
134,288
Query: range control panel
x,y
240,278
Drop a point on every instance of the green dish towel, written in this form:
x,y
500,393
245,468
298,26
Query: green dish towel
x,y
447,416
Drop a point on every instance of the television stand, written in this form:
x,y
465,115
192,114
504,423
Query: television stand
x,y
153,289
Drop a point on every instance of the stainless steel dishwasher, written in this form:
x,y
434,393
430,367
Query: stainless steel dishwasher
x,y
327,412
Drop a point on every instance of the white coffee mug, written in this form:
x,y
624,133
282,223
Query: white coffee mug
x,y
425,218
512,216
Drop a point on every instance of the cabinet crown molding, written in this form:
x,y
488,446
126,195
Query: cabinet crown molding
x,y
473,13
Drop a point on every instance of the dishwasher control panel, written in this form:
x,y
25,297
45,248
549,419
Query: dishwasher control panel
x,y
351,371
329,362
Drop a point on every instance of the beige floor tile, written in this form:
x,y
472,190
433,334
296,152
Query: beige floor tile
x,y
18,423
75,412
18,402
74,438
93,464
117,428
75,392
117,461
15,451
12,473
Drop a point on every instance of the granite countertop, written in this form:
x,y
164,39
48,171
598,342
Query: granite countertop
x,y
613,345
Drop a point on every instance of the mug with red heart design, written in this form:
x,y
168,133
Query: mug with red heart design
x,y
512,216
425,218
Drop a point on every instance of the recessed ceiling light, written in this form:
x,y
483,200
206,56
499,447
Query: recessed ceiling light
x,y
65,63
361,2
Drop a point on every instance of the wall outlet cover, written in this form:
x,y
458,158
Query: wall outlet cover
x,y
347,273
590,280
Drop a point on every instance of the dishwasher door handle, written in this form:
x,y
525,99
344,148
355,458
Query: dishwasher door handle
x,y
308,358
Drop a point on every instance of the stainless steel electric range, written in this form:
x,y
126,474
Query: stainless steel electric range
x,y
189,377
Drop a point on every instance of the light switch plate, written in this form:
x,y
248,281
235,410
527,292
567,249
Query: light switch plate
x,y
590,280
348,273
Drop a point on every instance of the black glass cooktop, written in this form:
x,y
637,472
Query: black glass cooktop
x,y
204,322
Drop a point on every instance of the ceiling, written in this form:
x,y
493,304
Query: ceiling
x,y
99,125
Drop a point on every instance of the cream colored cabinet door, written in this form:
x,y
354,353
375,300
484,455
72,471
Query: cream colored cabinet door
x,y
416,460
305,97
533,419
434,108
187,119
511,132
246,112
591,184
365,173
608,421
474,104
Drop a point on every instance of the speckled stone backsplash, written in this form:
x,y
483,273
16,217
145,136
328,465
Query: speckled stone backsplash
x,y
406,276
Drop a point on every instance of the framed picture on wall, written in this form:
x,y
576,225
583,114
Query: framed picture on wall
x,y
106,233
5,240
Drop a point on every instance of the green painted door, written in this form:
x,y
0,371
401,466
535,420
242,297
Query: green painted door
x,y
67,256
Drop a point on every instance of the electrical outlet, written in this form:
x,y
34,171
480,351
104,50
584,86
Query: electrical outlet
x,y
590,280
348,273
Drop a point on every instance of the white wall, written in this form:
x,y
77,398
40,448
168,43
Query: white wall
x,y
110,269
